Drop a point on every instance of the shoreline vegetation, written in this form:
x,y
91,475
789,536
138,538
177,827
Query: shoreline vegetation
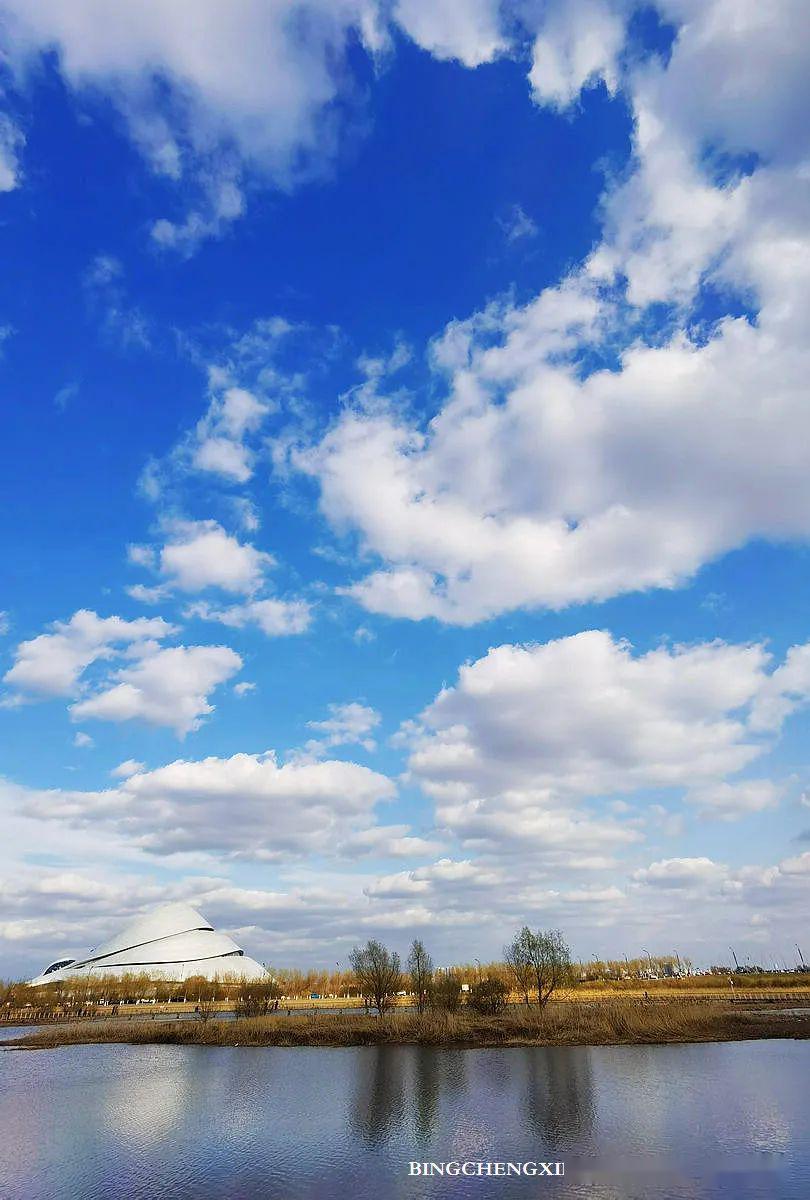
x,y
535,997
607,1022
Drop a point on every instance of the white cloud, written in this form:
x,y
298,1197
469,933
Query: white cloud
x,y
275,618
586,715
218,98
530,732
347,724
130,766
148,595
466,30
220,448
200,554
224,457
5,623
52,663
205,90
681,872
578,46
237,411
247,806
387,841
167,687
243,689
518,226
11,142
734,799
83,741
543,482
120,320
141,556
246,382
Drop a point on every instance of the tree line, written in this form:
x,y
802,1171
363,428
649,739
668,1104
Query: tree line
x,y
537,963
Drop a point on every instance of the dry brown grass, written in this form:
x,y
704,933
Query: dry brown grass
x,y
560,1024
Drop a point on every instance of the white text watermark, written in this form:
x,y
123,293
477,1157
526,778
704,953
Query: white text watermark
x,y
490,1168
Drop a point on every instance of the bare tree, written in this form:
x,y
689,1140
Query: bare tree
x,y
378,973
517,958
420,968
544,957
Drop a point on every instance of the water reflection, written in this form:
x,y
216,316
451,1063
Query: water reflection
x,y
128,1123
559,1097
402,1088
377,1105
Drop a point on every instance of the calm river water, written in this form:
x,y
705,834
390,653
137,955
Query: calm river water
x,y
195,1123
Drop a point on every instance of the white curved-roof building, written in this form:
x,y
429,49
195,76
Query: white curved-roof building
x,y
171,942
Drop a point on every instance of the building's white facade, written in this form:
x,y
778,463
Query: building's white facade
x,y
171,942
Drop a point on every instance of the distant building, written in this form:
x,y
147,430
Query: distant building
x,y
171,942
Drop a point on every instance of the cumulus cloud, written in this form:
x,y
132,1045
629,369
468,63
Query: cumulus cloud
x,y
346,724
246,806
214,99
307,920
466,30
206,92
200,554
387,841
528,732
681,873
275,618
545,478
578,46
220,448
169,687
52,663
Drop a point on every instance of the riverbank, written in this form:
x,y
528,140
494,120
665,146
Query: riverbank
x,y
656,992
560,1024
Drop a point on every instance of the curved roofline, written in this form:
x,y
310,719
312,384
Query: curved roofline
x,y
186,945
85,962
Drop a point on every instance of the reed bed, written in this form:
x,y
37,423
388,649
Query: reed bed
x,y
619,1022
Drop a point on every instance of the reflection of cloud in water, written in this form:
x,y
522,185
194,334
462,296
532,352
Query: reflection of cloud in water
x,y
156,1091
770,1131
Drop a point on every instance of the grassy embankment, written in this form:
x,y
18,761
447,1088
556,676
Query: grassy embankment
x,y
615,1022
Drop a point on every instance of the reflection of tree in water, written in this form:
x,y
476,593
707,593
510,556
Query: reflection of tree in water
x,y
378,1102
559,1095
435,1071
384,1098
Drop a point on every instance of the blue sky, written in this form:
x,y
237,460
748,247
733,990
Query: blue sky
x,y
405,475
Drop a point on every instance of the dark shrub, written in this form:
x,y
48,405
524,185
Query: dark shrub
x,y
488,997
445,993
